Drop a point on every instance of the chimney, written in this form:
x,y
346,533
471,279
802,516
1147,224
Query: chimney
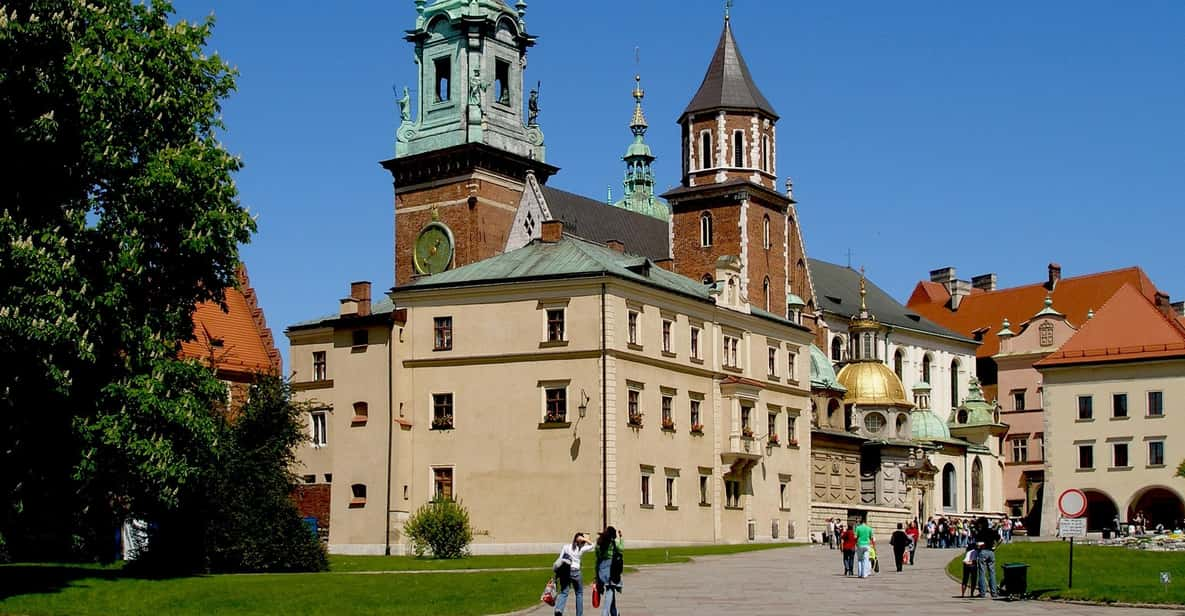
x,y
667,264
942,275
984,282
1165,305
958,290
1055,274
1179,308
615,245
360,294
553,230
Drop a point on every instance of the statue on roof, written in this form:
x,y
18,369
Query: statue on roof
x,y
533,105
405,106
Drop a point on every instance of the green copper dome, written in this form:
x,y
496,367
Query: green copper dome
x,y
822,373
927,426
975,411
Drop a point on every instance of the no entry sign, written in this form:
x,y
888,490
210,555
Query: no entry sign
x,y
1072,503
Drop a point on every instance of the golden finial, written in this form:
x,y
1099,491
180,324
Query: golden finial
x,y
863,290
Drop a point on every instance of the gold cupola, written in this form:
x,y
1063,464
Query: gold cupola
x,y
868,381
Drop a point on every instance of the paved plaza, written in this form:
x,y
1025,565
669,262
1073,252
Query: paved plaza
x,y
809,580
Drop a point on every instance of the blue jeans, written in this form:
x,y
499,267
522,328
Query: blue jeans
x,y
609,598
987,566
575,584
863,564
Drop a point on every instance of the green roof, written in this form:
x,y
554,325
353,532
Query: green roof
x,y
926,426
980,412
822,372
380,307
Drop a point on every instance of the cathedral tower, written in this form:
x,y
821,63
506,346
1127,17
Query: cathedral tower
x,y
728,203
467,140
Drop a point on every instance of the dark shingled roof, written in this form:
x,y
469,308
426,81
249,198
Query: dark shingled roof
x,y
601,222
838,291
727,83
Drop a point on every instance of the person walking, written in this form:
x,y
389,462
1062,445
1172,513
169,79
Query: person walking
x,y
610,563
914,536
900,541
829,536
863,544
847,543
970,567
568,573
986,538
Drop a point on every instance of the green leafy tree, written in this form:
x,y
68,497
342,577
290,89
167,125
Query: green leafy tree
x,y
1181,469
440,527
118,214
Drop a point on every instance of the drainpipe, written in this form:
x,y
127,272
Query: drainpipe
x,y
966,481
604,422
390,424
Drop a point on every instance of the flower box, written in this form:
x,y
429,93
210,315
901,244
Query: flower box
x,y
747,432
668,423
442,423
697,428
773,439
555,418
635,420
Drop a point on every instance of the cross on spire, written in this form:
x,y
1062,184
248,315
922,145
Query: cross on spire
x,y
727,9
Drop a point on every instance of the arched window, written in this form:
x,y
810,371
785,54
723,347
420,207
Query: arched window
x,y
765,231
954,386
738,149
854,348
705,229
765,153
926,369
705,150
765,291
898,364
869,348
977,485
707,279
837,349
950,486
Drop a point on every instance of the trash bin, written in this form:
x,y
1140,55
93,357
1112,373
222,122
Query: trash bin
x,y
1016,579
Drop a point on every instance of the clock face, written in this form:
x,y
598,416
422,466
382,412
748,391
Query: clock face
x,y
434,249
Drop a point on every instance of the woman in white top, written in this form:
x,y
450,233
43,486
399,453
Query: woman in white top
x,y
567,570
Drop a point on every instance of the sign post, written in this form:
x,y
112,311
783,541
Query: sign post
x,y
1072,505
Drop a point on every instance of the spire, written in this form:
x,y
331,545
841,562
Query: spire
x,y
639,172
638,125
863,290
727,83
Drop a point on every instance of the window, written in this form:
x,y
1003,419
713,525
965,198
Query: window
x,y
358,495
765,152
633,327
1041,444
1045,334
361,413
732,493
671,502
443,78
696,426
668,420
557,405
738,149
765,292
1018,400
705,151
1085,408
926,369
555,325
635,414
1118,405
765,232
442,411
320,425
771,428
1119,455
442,483
320,373
791,422
705,229
309,478
772,361
360,337
1085,457
746,420
791,359
950,487
875,422
704,489
729,359
977,485
502,82
899,364
1155,453
781,496
1020,450
837,349
954,385
442,333
1155,404
646,490
695,343
666,336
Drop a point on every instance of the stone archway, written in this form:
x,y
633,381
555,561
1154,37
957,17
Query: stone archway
x,y
1100,510
1159,505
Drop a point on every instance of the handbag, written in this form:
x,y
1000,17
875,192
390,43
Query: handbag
x,y
548,595
596,595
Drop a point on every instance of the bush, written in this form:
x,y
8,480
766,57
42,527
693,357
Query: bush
x,y
440,527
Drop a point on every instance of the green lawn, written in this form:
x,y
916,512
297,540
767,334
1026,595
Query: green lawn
x,y
51,589
1106,574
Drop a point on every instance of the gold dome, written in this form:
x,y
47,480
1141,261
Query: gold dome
x,y
871,383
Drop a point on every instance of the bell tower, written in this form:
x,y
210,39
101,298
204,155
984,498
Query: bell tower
x,y
728,203
468,135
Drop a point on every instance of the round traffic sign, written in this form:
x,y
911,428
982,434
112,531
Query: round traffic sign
x,y
1072,503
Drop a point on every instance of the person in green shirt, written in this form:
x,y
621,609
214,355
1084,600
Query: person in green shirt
x,y
610,562
863,543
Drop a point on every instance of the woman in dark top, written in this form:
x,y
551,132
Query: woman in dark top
x,y
847,543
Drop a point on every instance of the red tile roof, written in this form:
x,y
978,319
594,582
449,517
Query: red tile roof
x,y
1073,297
238,339
1128,327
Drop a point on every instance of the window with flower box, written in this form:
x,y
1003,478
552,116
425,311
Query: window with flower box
x,y
442,333
746,421
556,405
668,419
772,429
634,407
791,424
442,483
442,411
695,420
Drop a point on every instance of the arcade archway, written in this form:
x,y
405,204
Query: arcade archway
x,y
1159,506
1100,510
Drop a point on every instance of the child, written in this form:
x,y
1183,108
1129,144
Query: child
x,y
876,566
970,569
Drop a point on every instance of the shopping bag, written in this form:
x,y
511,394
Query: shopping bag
x,y
906,560
596,595
548,596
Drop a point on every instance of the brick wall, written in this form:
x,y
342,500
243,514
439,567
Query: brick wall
x,y
763,262
313,500
724,157
691,259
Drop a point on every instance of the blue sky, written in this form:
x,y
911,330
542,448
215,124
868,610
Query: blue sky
x,y
993,137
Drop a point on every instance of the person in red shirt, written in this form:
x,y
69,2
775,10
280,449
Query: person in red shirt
x,y
847,542
914,533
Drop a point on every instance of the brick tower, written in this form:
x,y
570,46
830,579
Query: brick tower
x,y
461,162
728,203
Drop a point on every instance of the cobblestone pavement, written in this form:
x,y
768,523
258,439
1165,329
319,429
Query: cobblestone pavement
x,y
809,580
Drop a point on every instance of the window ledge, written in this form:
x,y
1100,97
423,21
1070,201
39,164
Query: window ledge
x,y
551,344
358,348
644,506
1084,470
1154,466
306,385
783,509
705,504
772,377
696,360
554,425
437,350
668,354
358,420
793,444
1087,420
441,428
1118,468
1160,416
737,508
697,432
670,428
733,369
357,503
633,346
672,507
1121,418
